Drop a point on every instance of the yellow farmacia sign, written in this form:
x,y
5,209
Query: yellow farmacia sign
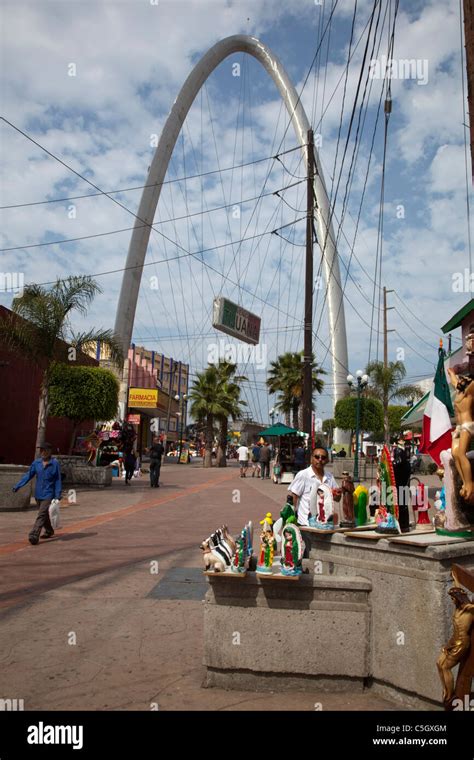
x,y
143,397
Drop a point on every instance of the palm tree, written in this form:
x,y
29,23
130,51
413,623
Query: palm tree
x,y
229,397
386,384
215,396
40,329
285,378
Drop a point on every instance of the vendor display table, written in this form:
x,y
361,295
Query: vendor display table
x,y
371,613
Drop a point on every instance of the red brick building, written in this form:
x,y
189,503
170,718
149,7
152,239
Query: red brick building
x,y
20,382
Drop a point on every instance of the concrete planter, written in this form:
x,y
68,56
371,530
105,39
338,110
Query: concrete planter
x,y
10,474
75,471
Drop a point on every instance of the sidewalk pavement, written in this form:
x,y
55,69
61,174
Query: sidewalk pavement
x,y
107,615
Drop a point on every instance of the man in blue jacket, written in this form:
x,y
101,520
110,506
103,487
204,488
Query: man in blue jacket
x,y
47,488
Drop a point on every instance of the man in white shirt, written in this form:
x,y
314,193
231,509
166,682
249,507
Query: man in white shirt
x,y
309,478
243,454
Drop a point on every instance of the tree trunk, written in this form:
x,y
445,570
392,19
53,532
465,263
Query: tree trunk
x,y
73,436
209,439
295,414
221,451
287,419
300,418
42,415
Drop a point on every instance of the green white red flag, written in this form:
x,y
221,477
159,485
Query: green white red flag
x,y
436,436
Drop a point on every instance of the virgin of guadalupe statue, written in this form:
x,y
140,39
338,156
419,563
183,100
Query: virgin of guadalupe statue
x,y
321,508
292,550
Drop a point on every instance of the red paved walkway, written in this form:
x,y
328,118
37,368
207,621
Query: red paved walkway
x,y
94,580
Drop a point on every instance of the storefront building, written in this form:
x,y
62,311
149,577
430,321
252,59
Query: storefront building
x,y
154,381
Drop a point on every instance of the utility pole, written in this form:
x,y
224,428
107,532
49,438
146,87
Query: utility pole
x,y
385,360
469,45
308,299
385,331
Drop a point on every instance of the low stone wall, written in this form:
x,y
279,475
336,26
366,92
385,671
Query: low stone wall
x,y
10,474
411,609
289,632
75,471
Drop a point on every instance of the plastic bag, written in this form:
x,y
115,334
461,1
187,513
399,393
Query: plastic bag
x,y
54,514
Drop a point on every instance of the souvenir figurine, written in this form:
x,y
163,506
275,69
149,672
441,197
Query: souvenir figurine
x,y
402,470
439,519
464,408
292,550
321,508
267,546
218,550
348,489
459,514
286,513
243,550
360,505
457,651
420,503
387,515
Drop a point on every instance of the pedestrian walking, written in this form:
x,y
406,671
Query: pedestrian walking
x,y
130,461
265,456
156,452
47,487
243,454
256,460
300,458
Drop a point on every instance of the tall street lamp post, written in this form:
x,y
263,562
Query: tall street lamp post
x,y
362,381
184,400
272,415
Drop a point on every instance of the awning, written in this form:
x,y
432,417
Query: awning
x,y
415,414
277,430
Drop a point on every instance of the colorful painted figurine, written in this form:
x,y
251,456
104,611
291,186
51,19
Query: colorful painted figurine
x,y
348,488
420,503
321,508
286,514
439,519
267,546
387,515
243,550
361,496
292,550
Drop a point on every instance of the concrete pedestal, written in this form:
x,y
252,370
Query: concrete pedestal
x,y
411,611
262,634
371,614
10,474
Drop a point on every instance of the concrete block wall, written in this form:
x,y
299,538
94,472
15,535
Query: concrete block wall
x,y
288,632
411,610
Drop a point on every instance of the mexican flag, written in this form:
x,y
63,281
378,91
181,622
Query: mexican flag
x,y
437,425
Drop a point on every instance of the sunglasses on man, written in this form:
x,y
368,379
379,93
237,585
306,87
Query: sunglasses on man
x,y
319,456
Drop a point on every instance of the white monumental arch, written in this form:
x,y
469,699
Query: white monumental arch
x,y
146,212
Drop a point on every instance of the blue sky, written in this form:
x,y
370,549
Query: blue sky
x,y
131,59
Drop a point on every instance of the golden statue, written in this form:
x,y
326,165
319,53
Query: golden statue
x,y
460,647
464,408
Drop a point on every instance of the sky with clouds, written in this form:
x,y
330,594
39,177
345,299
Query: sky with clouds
x,y
93,83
